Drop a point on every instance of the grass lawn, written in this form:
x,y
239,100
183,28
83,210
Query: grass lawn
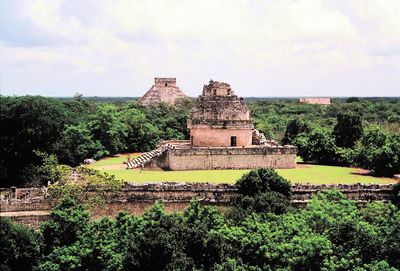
x,y
317,174
114,161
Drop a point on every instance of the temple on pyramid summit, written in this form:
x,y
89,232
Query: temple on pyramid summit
x,y
222,136
164,90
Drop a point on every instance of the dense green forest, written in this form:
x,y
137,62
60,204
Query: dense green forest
x,y
37,132
260,232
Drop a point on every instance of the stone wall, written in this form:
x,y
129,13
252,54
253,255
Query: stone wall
x,y
137,198
165,82
206,192
315,100
302,193
220,137
32,220
209,193
198,158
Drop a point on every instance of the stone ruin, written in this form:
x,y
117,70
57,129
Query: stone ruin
x,y
222,136
31,206
164,90
315,100
220,118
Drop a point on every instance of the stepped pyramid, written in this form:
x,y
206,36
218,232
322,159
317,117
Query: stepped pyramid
x,y
164,90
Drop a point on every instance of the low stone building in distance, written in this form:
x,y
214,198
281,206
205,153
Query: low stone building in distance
x,y
315,100
164,90
222,136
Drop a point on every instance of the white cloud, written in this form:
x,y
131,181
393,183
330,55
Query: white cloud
x,y
262,47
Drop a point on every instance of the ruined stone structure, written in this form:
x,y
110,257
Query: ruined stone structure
x,y
30,206
164,90
315,100
185,157
220,118
222,136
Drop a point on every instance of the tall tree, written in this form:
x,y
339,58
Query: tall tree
x,y
348,129
317,146
379,151
78,143
293,129
108,127
263,190
27,123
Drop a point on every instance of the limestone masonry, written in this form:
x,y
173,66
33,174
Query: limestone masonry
x,y
222,136
220,118
30,206
164,90
315,100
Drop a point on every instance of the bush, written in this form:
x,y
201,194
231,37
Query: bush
x,y
20,246
379,152
348,129
263,190
317,146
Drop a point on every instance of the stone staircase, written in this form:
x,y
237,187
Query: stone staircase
x,y
146,157
258,138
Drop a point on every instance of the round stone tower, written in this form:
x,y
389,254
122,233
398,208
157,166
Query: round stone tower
x,y
220,118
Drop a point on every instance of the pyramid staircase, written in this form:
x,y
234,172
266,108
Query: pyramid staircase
x,y
146,157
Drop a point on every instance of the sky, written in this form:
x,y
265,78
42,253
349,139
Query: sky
x,y
262,48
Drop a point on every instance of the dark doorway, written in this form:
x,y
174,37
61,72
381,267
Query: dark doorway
x,y
233,141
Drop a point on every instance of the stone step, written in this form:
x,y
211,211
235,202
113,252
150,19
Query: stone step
x,y
146,157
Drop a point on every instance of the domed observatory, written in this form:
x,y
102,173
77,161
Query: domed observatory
x,y
221,137
220,118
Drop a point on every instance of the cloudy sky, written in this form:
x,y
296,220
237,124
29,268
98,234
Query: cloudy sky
x,y
262,48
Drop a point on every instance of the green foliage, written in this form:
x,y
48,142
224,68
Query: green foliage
x,y
142,134
331,233
47,171
156,246
334,131
348,129
77,129
84,185
67,220
108,127
78,143
263,190
317,146
234,265
379,151
20,247
200,243
261,181
293,129
345,156
353,100
27,123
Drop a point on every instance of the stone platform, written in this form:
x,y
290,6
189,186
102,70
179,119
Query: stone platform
x,y
186,157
